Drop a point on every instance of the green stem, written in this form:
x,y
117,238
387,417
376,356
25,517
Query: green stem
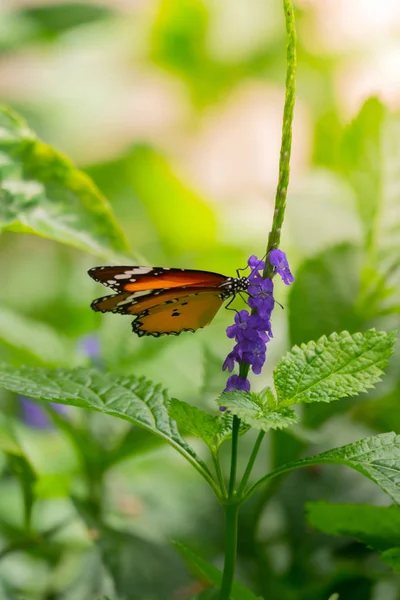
x,y
231,535
220,476
231,508
251,462
232,505
235,440
274,237
298,464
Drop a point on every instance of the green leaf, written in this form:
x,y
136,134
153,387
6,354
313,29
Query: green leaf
x,y
6,592
37,340
392,558
24,472
140,568
376,526
8,441
136,442
370,161
53,485
210,593
376,457
19,465
212,429
333,367
258,410
323,296
134,399
380,414
214,575
41,192
361,159
152,179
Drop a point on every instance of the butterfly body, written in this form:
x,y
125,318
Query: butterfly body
x,y
165,301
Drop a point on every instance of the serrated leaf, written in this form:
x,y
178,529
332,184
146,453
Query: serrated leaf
x,y
214,575
333,367
376,457
134,399
41,192
376,526
258,410
212,429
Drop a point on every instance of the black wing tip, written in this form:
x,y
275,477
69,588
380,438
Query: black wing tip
x,y
93,272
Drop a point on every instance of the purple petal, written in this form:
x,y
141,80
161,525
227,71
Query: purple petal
x,y
236,382
278,259
34,415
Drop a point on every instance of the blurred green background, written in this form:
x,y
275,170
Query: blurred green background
x,y
174,109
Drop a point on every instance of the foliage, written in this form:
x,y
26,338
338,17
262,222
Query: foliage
x,y
43,193
162,119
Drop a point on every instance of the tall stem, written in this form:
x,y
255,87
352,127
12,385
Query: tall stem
x,y
274,237
231,508
233,502
231,534
235,440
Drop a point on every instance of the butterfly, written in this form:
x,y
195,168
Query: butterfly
x,y
165,301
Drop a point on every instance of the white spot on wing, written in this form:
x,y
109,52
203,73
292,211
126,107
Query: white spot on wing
x,y
139,271
133,297
126,275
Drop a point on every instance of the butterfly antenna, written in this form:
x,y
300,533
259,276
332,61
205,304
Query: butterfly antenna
x,y
255,268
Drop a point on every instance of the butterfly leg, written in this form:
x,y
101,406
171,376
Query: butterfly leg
x,y
230,302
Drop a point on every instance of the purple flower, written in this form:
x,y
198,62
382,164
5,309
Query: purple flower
x,y
89,345
237,383
229,362
261,297
253,331
256,265
254,354
34,415
245,327
240,326
278,259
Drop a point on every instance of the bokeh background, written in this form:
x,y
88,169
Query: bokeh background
x,y
174,109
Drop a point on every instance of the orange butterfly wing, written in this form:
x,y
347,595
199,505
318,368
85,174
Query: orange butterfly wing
x,y
135,279
166,301
186,313
128,303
